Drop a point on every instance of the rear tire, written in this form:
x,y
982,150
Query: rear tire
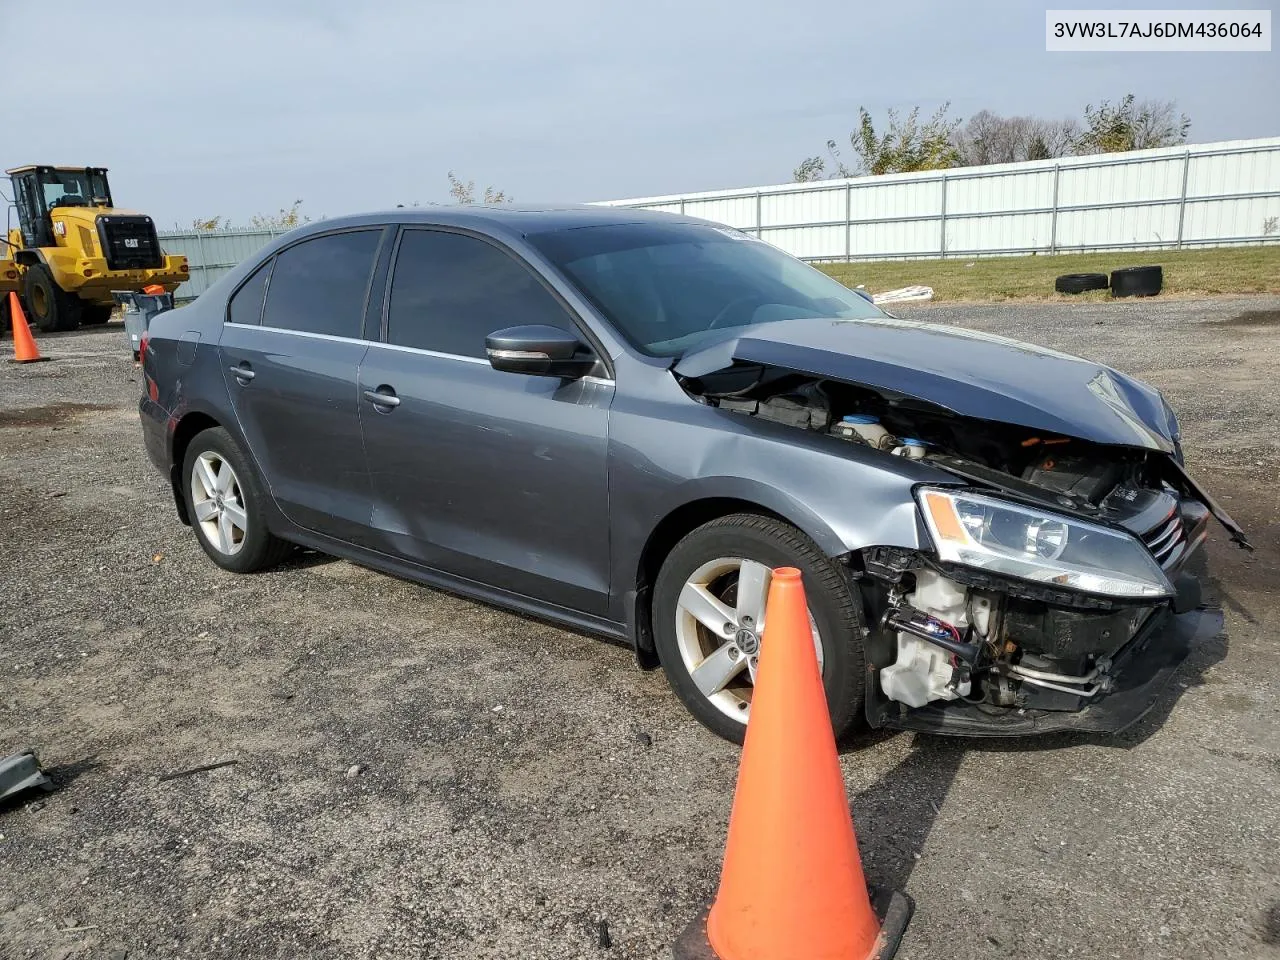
x,y
94,314
772,543
227,511
49,308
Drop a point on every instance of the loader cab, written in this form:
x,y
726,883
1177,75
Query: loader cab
x,y
38,190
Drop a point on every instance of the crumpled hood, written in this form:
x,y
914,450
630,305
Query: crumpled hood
x,y
969,373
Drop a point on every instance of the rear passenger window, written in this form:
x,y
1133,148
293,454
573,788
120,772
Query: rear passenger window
x,y
246,305
319,286
450,291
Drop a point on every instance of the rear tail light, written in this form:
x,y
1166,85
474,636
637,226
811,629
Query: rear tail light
x,y
142,347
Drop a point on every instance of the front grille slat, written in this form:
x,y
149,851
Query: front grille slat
x,y
1174,555
1160,542
1167,540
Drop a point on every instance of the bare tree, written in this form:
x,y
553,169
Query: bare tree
x,y
991,138
1053,138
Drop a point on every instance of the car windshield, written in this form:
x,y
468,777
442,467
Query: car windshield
x,y
668,286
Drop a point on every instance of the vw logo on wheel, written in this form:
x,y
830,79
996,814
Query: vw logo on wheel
x,y
747,642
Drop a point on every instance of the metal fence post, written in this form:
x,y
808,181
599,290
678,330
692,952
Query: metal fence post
x,y
848,222
942,233
682,206
759,217
204,270
1053,217
1182,202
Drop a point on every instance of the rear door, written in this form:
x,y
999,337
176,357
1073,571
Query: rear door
x,y
290,350
498,478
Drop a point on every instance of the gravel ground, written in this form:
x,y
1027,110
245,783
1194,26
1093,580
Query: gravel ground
x,y
420,776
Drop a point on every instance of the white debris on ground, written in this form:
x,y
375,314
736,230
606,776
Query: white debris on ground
x,y
916,294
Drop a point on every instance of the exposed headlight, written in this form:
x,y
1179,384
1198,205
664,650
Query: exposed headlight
x,y
1003,537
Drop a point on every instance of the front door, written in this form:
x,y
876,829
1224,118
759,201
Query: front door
x,y
497,478
292,378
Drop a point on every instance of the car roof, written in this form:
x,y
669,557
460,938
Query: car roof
x,y
518,218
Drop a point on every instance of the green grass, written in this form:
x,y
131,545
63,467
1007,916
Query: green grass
x,y
1224,270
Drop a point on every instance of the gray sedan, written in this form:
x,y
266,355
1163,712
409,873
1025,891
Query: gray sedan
x,y
622,421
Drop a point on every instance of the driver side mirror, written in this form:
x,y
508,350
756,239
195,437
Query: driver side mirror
x,y
540,351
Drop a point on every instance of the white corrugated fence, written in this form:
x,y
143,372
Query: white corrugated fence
x,y
1212,194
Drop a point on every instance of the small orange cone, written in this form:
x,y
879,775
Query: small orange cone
x,y
24,345
792,884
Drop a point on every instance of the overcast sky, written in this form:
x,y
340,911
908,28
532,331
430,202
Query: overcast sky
x,y
232,108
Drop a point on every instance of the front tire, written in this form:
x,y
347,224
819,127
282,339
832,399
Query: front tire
x,y
713,587
51,309
225,503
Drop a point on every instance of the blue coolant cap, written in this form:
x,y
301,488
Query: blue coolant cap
x,y
865,419
912,442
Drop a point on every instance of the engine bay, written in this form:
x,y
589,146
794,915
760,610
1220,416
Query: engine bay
x,y
1066,472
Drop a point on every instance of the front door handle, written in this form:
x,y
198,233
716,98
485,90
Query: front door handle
x,y
242,372
382,397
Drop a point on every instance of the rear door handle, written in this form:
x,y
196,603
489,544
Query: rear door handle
x,y
243,372
379,398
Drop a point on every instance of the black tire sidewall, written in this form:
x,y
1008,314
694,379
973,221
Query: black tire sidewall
x,y
1137,281
1080,282
831,602
62,314
260,547
95,314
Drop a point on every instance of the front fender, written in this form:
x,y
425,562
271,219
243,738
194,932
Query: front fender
x,y
768,497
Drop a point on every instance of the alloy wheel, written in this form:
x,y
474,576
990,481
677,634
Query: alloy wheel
x,y
720,618
218,502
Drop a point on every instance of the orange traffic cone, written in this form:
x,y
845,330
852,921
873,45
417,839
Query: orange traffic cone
x,y
24,345
792,884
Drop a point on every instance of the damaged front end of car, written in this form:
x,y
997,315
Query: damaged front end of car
x,y
1052,589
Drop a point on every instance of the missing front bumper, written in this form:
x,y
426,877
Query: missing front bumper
x,y
1141,671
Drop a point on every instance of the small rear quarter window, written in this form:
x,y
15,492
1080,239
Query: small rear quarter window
x,y
246,303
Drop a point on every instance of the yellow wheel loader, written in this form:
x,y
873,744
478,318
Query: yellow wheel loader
x,y
72,247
